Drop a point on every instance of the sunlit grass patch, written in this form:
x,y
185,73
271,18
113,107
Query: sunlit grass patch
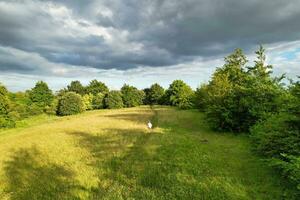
x,y
111,154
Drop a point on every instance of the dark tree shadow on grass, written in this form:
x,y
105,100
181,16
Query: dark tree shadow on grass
x,y
121,154
138,117
30,176
133,117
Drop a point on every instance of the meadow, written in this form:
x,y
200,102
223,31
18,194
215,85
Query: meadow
x,y
111,154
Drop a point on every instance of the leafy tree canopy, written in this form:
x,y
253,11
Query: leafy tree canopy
x,y
131,96
180,94
77,87
41,95
96,87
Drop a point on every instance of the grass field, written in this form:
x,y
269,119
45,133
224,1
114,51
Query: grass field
x,y
110,154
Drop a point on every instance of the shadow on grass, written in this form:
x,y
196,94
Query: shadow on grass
x,y
130,170
30,176
133,117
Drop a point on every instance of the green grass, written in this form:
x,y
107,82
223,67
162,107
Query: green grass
x,y
110,154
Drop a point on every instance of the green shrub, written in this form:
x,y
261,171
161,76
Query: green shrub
x,y
289,167
200,98
35,109
278,139
51,109
277,135
98,101
6,120
113,100
69,104
88,101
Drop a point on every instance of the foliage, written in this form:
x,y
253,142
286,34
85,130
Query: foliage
x,y
146,100
131,96
276,135
289,166
77,87
88,101
98,101
19,103
155,94
41,95
96,87
69,104
6,120
35,109
278,138
52,109
236,98
180,94
113,99
201,97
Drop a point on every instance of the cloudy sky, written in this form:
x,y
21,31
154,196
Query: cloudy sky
x,y
140,41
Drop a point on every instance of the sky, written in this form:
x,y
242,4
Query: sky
x,y
140,42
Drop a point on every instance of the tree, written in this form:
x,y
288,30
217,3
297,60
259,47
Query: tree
x,y
88,101
131,96
200,97
5,119
146,99
96,87
155,94
69,104
41,95
180,94
98,101
237,98
77,87
113,99
260,69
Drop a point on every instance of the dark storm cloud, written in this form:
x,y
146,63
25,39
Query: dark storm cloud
x,y
142,32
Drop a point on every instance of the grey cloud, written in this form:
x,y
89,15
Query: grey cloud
x,y
168,32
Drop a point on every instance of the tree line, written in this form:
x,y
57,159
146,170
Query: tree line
x,y
76,98
238,98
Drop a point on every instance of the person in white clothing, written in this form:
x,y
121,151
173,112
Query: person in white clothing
x,y
149,125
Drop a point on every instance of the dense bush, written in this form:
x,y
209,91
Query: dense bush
x,y
35,109
201,95
69,104
88,101
98,101
6,120
52,109
113,99
278,138
20,102
276,135
179,94
132,96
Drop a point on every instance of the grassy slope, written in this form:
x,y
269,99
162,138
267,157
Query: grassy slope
x,y
110,154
